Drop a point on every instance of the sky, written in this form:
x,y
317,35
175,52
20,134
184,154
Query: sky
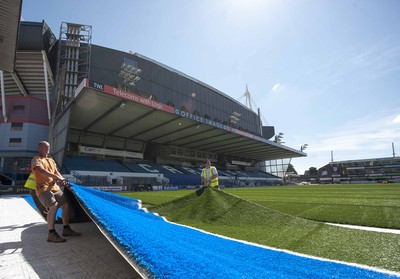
x,y
325,73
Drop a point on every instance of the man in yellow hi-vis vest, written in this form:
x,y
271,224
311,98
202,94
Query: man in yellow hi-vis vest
x,y
209,175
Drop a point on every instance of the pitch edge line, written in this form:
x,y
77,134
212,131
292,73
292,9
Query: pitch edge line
x,y
364,228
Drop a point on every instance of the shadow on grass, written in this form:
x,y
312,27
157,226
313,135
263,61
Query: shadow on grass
x,y
200,192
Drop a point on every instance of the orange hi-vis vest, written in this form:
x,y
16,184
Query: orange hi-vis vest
x,y
214,182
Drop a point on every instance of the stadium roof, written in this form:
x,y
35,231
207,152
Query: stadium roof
x,y
25,63
10,12
109,111
28,79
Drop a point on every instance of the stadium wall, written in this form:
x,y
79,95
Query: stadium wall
x,y
171,87
26,125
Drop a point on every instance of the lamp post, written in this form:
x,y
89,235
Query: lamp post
x,y
303,147
234,118
129,74
278,138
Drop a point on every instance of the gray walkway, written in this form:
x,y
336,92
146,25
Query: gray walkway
x,y
25,253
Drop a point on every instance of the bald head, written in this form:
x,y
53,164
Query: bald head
x,y
207,163
44,148
43,142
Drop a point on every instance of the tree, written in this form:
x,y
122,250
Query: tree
x,y
313,171
290,169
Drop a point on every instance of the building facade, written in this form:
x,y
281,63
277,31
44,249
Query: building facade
x,y
119,105
25,107
363,170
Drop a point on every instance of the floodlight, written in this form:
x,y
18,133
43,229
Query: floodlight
x,y
303,147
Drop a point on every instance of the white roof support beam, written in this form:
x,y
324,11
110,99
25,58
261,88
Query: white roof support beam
x,y
46,84
49,72
3,96
20,84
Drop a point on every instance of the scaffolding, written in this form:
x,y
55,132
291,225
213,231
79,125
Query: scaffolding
x,y
74,59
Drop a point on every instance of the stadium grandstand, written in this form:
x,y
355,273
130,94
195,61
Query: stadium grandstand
x,y
385,170
118,118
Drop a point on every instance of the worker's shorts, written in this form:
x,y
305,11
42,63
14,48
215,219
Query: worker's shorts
x,y
49,198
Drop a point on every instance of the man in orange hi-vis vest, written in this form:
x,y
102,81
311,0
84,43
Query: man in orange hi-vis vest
x,y
209,175
48,182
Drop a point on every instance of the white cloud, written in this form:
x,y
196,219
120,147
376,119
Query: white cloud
x,y
278,88
363,138
357,63
396,120
365,134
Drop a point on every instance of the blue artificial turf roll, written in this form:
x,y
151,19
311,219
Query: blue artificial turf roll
x,y
167,250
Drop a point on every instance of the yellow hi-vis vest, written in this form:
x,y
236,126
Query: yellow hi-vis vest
x,y
214,182
31,182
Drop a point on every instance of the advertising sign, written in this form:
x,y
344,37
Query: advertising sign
x,y
130,96
110,152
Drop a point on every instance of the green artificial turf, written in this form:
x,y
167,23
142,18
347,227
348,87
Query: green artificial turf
x,y
375,205
222,213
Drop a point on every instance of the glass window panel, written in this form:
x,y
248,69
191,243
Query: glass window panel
x,y
17,126
18,109
15,142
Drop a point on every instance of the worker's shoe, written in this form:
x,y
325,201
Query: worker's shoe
x,y
67,231
54,237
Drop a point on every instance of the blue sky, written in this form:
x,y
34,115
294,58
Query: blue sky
x,y
325,73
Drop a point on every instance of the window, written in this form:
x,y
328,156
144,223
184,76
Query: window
x,y
17,126
18,109
173,151
15,142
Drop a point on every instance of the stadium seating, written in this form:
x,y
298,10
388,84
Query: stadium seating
x,y
180,176
90,164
